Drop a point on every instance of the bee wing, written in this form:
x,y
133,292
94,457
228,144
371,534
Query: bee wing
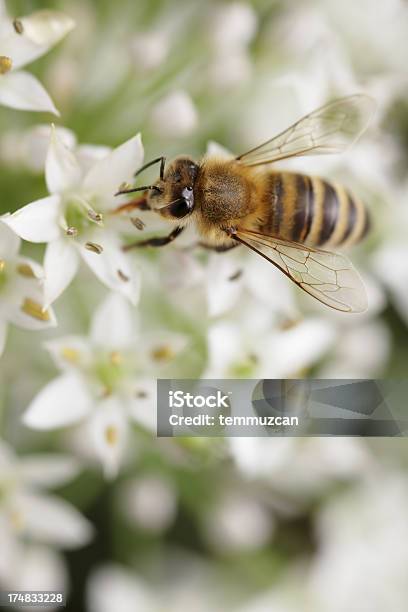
x,y
328,277
329,129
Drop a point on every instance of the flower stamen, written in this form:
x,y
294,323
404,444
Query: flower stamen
x,y
111,435
35,310
18,26
162,353
138,223
71,231
123,276
94,247
70,354
25,270
6,64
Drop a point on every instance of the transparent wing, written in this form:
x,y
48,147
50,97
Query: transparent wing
x,y
328,277
329,129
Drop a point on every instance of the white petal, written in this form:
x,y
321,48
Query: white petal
x,y
64,401
37,221
23,91
214,148
48,470
50,519
112,324
142,406
62,171
23,311
117,167
222,292
111,267
114,588
88,155
108,434
46,27
60,266
9,241
34,144
41,30
70,352
3,336
40,569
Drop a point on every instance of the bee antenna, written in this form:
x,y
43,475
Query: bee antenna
x,y
143,188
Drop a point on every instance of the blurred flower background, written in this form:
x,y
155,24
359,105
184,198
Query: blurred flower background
x,y
90,501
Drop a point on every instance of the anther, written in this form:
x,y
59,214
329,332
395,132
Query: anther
x,y
95,216
25,270
138,223
94,247
71,231
123,276
111,435
18,26
35,310
6,64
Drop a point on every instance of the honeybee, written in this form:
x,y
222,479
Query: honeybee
x,y
285,217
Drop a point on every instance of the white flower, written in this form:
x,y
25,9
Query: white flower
x,y
149,502
149,49
238,522
301,466
75,219
27,513
106,382
364,532
175,115
29,148
190,587
252,345
21,42
232,24
21,294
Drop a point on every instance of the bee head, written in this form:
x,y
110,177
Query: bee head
x,y
173,197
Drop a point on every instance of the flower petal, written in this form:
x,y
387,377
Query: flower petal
x,y
142,406
60,266
9,241
52,520
223,288
64,401
23,91
112,325
114,588
107,431
70,352
62,171
28,311
48,470
3,336
46,28
117,167
40,569
113,268
37,221
41,30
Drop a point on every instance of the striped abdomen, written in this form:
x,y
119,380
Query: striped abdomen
x,y
312,211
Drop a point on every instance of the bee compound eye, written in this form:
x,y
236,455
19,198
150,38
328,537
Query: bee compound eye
x,y
180,209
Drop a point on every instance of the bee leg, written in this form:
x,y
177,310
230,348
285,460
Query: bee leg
x,y
139,203
218,249
155,242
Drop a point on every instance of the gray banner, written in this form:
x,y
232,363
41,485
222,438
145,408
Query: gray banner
x,y
231,407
